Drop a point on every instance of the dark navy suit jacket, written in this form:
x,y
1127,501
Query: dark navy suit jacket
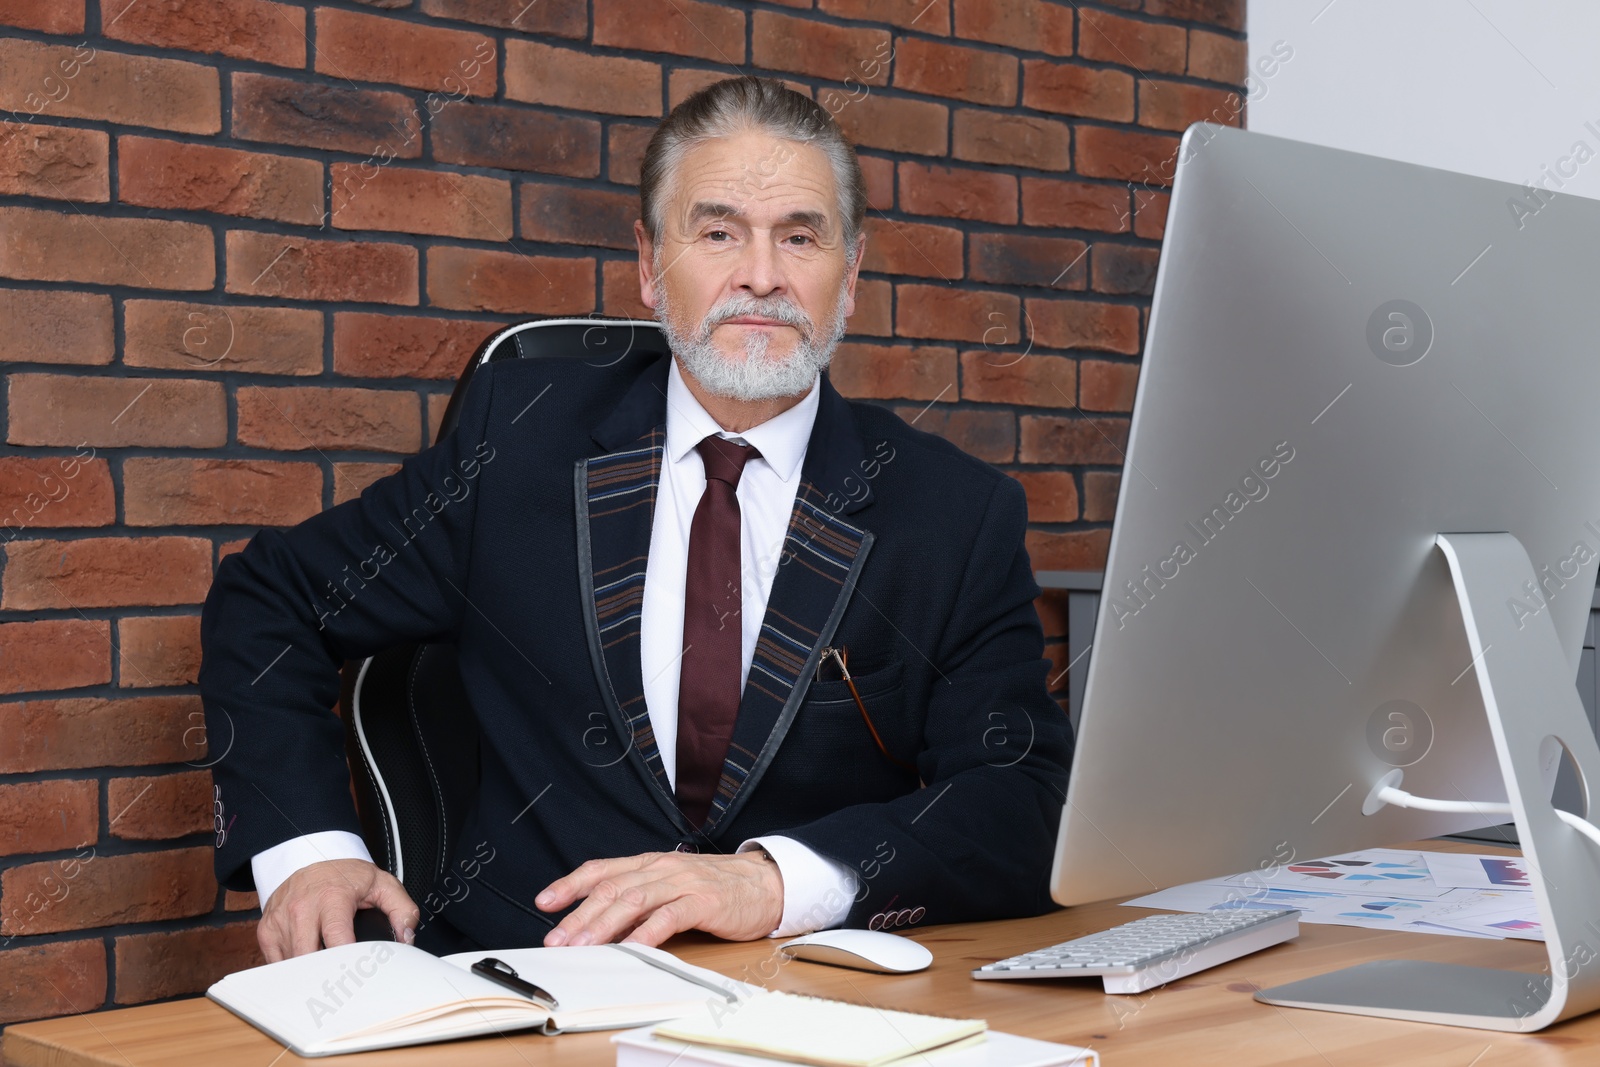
x,y
522,536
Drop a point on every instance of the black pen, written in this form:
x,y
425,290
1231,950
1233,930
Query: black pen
x,y
506,975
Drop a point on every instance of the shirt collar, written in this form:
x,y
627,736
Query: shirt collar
x,y
781,440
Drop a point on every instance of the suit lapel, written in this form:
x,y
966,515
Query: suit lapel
x,y
821,561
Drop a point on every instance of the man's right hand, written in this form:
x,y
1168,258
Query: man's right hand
x,y
316,906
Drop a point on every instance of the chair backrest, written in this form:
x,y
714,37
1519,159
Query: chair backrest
x,y
409,729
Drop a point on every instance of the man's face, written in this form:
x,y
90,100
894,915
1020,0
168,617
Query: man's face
x,y
748,276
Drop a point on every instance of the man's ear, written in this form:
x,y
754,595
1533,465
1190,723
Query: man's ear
x,y
647,280
853,272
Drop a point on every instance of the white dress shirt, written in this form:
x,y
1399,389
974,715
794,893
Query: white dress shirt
x,y
817,892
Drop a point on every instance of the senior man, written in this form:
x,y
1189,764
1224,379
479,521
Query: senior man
x,y
807,627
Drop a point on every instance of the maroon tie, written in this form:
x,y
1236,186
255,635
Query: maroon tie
x,y
708,687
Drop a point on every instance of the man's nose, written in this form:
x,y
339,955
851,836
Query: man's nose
x,y
760,271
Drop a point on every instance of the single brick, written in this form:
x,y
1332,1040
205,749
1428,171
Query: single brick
x,y
349,479
410,200
1052,496
957,314
367,345
1076,205
1011,140
510,137
304,268
874,313
195,177
1226,13
170,964
1149,158
355,46
53,735
892,124
58,162
1168,105
160,807
167,94
1030,25
621,289
897,372
106,250
1074,550
472,279
821,50
1144,46
924,16
1150,213
59,978
46,655
219,492
563,18
1217,58
317,114
1069,89
44,492
1125,269
222,337
297,418
58,409
569,215
46,16
109,890
1074,441
247,29
917,248
1020,259
157,650
877,174
1085,324
681,27
48,816
939,69
625,145
565,77
1100,490
1107,386
952,192
103,572
55,326
1013,376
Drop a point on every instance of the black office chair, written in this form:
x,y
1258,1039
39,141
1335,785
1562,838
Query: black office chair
x,y
412,742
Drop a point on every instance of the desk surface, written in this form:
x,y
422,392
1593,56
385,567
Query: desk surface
x,y
1207,1018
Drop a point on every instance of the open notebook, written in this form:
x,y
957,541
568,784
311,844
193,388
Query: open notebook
x,y
380,994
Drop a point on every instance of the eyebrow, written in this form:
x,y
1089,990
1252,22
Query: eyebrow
x,y
717,209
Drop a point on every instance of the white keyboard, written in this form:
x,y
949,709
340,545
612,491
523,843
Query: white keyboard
x,y
1148,952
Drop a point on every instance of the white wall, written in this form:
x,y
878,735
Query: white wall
x,y
1506,89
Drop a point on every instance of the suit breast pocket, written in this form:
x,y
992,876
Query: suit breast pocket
x,y
829,716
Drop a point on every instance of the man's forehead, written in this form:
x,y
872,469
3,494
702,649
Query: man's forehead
x,y
751,175
713,208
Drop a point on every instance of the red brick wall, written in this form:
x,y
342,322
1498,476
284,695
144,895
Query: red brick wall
x,y
247,245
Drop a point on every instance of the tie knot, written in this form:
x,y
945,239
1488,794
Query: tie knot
x,y
724,459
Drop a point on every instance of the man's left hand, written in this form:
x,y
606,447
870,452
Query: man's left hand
x,y
649,898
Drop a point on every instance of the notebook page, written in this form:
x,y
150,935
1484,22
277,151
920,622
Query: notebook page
x,y
816,1031
599,983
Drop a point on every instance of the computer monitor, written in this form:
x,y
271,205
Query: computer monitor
x,y
1347,358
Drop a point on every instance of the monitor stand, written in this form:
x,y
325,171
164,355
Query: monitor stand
x,y
1533,706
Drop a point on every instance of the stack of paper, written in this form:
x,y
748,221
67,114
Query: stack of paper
x,y
1379,888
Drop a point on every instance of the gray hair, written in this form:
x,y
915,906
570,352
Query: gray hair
x,y
732,106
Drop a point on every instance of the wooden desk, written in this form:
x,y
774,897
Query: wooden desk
x,y
1208,1018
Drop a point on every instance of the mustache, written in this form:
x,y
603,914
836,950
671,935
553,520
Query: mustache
x,y
742,306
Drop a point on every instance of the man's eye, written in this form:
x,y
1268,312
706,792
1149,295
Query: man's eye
x,y
718,233
802,237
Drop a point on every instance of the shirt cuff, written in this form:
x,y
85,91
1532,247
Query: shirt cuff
x,y
273,867
817,891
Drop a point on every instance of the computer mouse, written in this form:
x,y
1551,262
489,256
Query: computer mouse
x,y
865,950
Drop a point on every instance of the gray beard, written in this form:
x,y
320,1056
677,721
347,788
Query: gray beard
x,y
756,376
